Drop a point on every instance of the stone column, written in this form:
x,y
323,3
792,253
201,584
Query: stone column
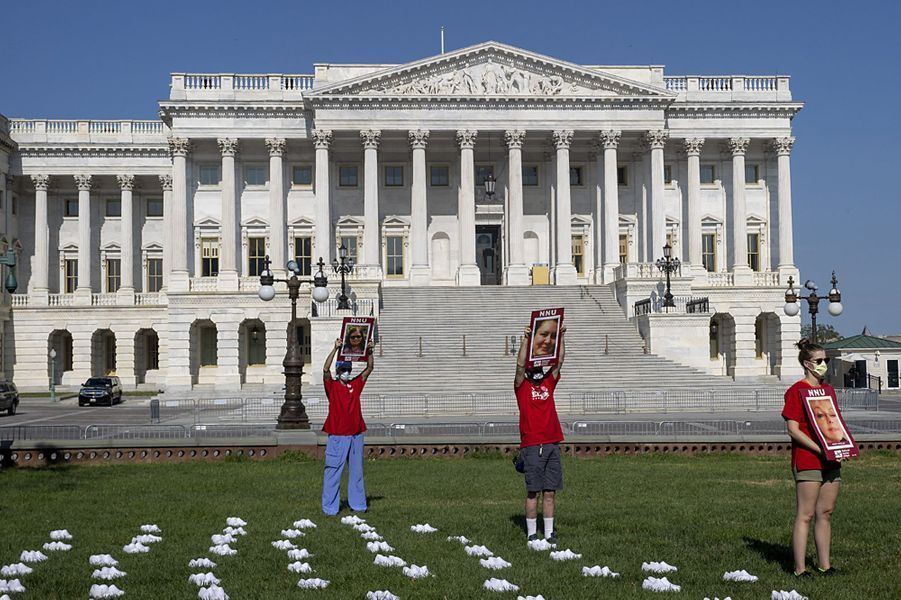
x,y
277,207
322,139
126,293
228,373
517,271
228,244
39,284
178,223
738,146
166,184
370,138
783,147
125,355
83,290
693,152
610,142
564,270
468,273
420,272
656,140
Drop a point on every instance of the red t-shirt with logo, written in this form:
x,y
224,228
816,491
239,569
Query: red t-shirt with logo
x,y
345,417
802,458
538,422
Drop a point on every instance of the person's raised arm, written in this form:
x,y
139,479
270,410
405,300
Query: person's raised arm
x,y
521,358
556,370
327,368
369,364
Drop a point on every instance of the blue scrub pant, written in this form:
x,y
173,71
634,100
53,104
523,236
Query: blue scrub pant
x,y
341,450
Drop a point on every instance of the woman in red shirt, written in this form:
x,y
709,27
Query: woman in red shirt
x,y
817,480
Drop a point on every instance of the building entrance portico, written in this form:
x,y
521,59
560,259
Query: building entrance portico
x,y
488,254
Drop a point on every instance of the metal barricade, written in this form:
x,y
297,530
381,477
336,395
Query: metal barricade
x,y
242,430
134,432
13,433
614,428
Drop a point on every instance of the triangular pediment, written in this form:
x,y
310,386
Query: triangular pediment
x,y
490,69
302,221
254,222
152,247
206,222
580,220
396,221
351,221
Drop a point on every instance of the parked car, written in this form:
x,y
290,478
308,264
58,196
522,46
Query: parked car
x,y
9,397
100,390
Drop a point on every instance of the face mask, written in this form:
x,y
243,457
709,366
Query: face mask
x,y
537,377
820,370
344,376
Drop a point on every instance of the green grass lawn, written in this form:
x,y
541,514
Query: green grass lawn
x,y
706,515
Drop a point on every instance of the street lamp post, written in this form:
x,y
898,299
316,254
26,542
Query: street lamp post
x,y
792,306
345,267
293,414
52,374
9,259
669,265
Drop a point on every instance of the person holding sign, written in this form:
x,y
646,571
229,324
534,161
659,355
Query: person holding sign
x,y
345,427
540,432
815,465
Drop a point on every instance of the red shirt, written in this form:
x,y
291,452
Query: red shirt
x,y
345,417
802,458
538,422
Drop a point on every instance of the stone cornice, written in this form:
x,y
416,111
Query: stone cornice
x,y
489,102
95,151
292,110
740,110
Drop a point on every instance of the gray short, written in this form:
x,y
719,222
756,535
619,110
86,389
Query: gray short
x,y
543,468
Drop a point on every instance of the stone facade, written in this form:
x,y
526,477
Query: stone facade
x,y
140,242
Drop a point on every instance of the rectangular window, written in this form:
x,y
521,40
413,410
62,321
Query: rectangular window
x,y
754,251
622,176
530,175
303,255
708,174
209,174
254,175
154,207
347,176
394,176
575,176
667,174
114,207
350,242
482,172
395,249
578,243
752,173
892,373
71,207
71,275
209,257
113,275
256,255
708,251
439,176
302,175
623,248
154,274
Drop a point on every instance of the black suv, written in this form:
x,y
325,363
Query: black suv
x,y
9,397
100,390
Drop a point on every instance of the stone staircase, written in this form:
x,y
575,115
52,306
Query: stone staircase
x,y
441,317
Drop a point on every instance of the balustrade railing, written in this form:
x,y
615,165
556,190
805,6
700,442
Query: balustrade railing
x,y
697,305
204,284
18,300
720,279
683,305
43,130
297,82
211,84
676,84
766,279
148,299
720,86
250,82
760,84
636,271
60,299
203,82
715,84
103,299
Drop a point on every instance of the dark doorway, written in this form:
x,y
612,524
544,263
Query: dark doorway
x,y
488,253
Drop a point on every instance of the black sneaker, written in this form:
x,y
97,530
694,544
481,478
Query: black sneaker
x,y
533,537
829,572
803,574
552,539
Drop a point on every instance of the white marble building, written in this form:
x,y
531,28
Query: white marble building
x,y
140,242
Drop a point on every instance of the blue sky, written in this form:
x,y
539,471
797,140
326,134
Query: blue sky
x,y
93,59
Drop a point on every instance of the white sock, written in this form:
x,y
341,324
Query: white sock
x,y
532,526
548,527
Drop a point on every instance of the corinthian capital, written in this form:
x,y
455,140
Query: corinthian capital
x,y
228,146
609,138
656,138
738,145
370,138
126,182
419,138
322,138
166,182
276,146
563,138
514,138
693,146
466,138
41,182
83,182
783,146
179,146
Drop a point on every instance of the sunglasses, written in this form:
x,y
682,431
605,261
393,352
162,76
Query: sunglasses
x,y
819,361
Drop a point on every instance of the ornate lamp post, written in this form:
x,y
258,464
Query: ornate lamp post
x,y
345,267
668,265
792,306
293,414
52,356
9,259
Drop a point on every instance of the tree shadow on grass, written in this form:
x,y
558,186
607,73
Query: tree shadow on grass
x,y
780,554
519,521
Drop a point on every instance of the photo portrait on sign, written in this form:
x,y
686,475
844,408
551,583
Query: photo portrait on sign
x,y
827,422
356,337
544,345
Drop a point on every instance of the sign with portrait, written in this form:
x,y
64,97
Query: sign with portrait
x,y
544,343
356,338
827,423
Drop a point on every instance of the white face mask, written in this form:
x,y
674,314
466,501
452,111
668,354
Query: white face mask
x,y
344,376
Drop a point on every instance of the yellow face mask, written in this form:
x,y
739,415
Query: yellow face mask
x,y
820,369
